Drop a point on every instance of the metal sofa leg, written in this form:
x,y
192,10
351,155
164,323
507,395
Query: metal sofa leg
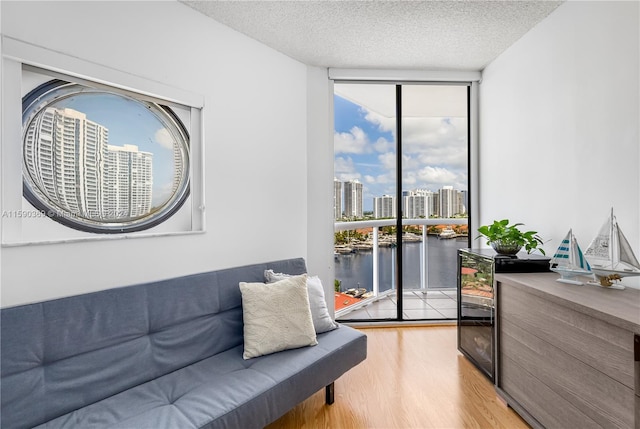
x,y
328,394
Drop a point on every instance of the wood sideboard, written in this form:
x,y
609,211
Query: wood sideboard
x,y
568,356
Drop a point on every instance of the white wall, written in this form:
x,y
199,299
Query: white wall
x,y
320,180
559,120
255,143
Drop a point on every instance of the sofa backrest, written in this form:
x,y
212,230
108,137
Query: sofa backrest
x,y
61,355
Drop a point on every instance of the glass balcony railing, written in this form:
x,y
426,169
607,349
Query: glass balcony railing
x,y
365,268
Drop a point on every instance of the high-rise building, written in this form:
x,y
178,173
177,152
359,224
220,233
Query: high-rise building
x,y
353,199
69,159
434,204
419,203
384,207
127,182
414,206
465,201
450,202
178,167
422,203
337,199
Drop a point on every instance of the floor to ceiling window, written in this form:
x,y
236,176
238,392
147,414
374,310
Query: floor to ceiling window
x,y
400,198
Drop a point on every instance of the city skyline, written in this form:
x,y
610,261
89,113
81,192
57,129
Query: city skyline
x,y
446,202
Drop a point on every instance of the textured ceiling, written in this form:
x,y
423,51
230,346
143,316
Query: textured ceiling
x,y
433,35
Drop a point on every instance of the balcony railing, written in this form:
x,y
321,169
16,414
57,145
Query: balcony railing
x,y
376,241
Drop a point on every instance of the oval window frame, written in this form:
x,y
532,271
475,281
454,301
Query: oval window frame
x,y
52,91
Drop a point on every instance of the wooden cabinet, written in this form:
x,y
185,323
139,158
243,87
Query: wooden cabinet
x,y
566,354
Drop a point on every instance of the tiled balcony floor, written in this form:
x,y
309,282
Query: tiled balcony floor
x,y
417,305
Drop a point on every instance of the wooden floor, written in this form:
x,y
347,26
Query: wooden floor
x,y
413,377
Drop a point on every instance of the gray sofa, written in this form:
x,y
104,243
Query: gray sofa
x,y
165,354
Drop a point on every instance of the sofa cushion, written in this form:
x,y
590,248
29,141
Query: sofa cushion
x,y
276,316
322,321
61,355
226,391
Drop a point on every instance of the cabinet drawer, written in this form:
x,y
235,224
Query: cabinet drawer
x,y
594,396
594,342
549,408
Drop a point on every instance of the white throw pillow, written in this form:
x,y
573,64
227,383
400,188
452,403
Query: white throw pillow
x,y
276,316
322,321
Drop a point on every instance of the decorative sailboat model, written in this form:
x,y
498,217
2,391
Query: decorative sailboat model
x,y
569,262
611,256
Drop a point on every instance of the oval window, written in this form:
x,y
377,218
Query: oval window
x,y
102,161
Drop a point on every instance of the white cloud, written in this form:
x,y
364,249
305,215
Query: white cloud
x,y
409,179
387,160
421,134
410,163
450,156
443,139
164,139
437,175
388,177
344,169
355,141
434,155
368,179
383,145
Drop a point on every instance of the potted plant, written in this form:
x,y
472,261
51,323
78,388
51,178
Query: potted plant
x,y
508,239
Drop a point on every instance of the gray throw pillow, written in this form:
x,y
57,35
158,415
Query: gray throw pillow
x,y
322,321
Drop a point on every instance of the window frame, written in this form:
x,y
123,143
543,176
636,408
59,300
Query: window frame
x,y
46,96
22,224
400,78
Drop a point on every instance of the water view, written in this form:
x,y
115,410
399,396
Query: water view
x,y
355,270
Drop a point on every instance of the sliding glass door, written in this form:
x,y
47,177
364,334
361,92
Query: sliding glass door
x,y
400,199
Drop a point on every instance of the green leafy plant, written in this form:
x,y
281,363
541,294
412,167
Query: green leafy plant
x,y
500,233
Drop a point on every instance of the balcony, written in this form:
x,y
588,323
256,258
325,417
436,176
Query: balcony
x,y
365,268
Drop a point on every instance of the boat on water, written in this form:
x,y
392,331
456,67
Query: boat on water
x,y
611,256
342,250
356,292
447,233
569,261
366,245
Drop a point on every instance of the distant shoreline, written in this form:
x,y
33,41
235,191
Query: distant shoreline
x,y
387,241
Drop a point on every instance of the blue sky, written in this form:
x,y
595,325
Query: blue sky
x,y
355,141
434,150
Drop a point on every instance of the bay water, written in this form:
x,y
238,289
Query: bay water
x,y
355,270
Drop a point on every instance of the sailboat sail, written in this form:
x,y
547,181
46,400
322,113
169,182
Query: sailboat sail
x,y
569,260
626,253
611,253
598,250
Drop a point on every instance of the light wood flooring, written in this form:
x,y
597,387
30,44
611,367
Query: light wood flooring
x,y
413,377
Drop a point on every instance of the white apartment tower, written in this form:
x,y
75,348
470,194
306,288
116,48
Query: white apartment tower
x,y
127,182
63,153
178,167
465,201
353,199
434,204
384,207
337,199
419,203
450,202
415,206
